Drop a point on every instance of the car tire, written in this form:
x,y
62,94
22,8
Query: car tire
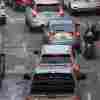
x,y
42,26
70,9
26,76
30,28
2,21
45,40
26,22
28,25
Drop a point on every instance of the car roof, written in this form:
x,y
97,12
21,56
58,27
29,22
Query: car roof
x,y
53,70
46,1
64,20
66,23
56,49
61,18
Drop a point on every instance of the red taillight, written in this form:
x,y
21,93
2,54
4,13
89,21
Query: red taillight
x,y
43,65
43,78
76,98
77,67
77,34
40,78
34,13
35,78
51,34
61,11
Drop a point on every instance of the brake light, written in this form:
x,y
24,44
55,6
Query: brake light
x,y
51,34
77,67
35,78
77,34
61,11
43,78
71,33
34,13
76,98
43,65
40,78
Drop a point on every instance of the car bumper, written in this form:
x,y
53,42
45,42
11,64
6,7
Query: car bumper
x,y
53,86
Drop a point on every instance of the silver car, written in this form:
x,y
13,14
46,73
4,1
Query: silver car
x,y
83,5
2,13
42,10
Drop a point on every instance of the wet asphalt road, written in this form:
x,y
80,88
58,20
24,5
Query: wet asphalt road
x,y
19,44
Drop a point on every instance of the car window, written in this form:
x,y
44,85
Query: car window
x,y
56,59
67,76
53,7
63,28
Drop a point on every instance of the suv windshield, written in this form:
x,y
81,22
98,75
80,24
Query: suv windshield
x,y
56,59
52,7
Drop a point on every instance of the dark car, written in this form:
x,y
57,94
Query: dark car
x,y
53,80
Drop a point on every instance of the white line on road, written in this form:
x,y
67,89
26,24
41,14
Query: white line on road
x,y
89,96
15,19
25,49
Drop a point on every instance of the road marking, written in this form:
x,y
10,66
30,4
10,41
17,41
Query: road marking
x,y
14,19
25,49
89,96
36,99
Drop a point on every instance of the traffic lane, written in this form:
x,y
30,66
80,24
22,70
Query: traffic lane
x,y
32,43
90,87
19,44
92,64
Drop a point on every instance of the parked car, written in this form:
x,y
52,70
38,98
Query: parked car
x,y
62,30
58,55
39,14
77,6
3,16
